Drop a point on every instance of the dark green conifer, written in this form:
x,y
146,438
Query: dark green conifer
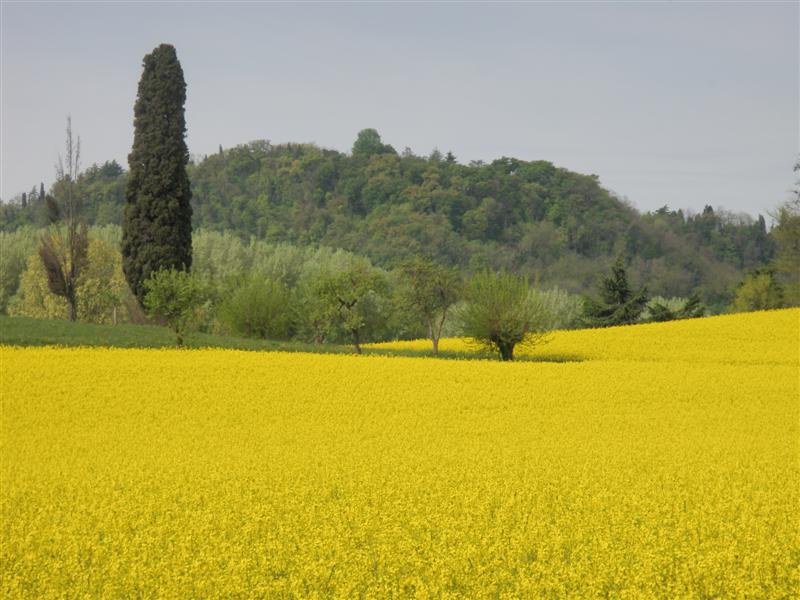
x,y
157,224
618,304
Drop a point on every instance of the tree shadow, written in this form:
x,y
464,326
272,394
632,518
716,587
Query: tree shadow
x,y
473,355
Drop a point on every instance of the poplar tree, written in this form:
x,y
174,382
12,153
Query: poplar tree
x,y
157,223
64,246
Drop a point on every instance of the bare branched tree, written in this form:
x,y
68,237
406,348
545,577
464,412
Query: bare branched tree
x,y
65,245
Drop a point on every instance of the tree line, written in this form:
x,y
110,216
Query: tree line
x,y
281,291
528,217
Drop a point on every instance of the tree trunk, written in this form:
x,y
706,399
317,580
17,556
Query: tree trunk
x,y
178,338
356,341
506,350
433,337
73,310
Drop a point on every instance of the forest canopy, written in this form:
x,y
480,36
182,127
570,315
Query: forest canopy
x,y
552,225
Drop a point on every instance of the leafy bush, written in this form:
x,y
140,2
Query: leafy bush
x,y
15,248
174,297
559,308
260,308
661,309
759,290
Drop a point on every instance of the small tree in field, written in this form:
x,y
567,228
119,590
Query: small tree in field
x,y
500,313
173,296
348,300
430,291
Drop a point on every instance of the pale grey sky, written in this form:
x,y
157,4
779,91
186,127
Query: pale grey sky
x,y
684,104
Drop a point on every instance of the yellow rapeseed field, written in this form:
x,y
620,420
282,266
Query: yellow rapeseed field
x,y
664,462
755,338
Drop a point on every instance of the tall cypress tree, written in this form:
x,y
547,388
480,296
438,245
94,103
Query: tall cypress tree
x,y
157,225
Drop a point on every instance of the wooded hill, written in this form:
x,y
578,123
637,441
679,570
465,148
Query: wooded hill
x,y
558,227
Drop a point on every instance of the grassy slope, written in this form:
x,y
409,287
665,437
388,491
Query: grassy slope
x,y
25,331
651,340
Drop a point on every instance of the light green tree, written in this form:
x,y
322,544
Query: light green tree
x,y
259,308
174,296
101,293
350,300
429,291
15,248
34,298
759,290
501,313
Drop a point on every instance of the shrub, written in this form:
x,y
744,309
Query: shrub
x,y
174,296
259,308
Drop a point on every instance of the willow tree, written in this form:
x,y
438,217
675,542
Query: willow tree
x,y
157,224
501,313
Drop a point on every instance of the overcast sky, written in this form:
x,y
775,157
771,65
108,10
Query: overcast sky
x,y
684,104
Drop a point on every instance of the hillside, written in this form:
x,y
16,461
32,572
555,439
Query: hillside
x,y
557,226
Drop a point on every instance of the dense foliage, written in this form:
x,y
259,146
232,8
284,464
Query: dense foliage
x,y
157,223
102,294
528,217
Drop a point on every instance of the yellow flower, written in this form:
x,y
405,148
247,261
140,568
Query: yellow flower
x,y
661,462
